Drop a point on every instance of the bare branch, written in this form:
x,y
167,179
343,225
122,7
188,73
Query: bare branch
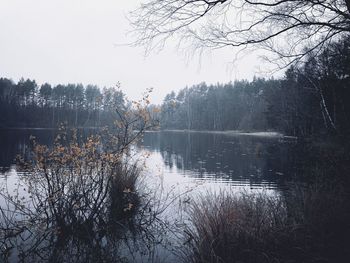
x,y
288,29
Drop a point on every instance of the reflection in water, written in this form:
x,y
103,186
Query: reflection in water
x,y
147,236
77,204
135,238
15,142
259,162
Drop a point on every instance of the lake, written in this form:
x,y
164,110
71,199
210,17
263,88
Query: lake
x,y
241,161
179,166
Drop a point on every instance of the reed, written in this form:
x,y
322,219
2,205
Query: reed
x,y
306,224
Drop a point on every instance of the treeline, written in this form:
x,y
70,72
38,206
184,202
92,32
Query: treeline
x,y
311,99
232,106
26,104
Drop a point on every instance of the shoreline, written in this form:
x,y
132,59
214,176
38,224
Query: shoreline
x,y
267,134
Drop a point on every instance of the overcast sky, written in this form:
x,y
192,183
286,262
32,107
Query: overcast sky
x,y
71,41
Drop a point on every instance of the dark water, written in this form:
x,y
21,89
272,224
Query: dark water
x,y
14,142
257,161
254,161
177,162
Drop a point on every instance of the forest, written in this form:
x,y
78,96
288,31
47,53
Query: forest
x,y
310,100
250,171
26,104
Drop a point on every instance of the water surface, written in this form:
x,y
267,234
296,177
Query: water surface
x,y
179,165
247,161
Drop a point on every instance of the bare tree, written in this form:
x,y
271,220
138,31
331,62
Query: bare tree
x,y
286,29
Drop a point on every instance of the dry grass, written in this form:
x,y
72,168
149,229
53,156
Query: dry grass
x,y
303,225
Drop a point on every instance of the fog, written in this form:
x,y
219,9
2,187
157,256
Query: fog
x,y
86,42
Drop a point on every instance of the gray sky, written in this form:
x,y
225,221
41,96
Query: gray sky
x,y
78,41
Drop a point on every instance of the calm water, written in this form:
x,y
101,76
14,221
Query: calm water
x,y
240,161
179,165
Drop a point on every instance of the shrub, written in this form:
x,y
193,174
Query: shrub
x,y
74,191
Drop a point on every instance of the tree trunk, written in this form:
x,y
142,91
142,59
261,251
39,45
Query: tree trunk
x,y
322,102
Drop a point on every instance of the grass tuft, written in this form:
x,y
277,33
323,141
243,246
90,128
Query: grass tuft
x,y
302,225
